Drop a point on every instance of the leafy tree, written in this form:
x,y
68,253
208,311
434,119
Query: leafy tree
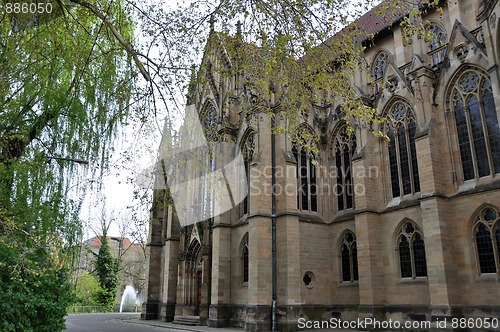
x,y
87,289
34,284
65,87
106,269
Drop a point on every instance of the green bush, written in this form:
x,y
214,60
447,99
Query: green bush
x,y
87,289
35,290
106,270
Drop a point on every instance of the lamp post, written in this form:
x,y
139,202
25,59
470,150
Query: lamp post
x,y
78,161
273,220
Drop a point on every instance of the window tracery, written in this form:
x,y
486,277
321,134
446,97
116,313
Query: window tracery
x,y
307,198
402,150
476,124
248,150
344,148
487,240
349,257
204,162
411,247
380,65
437,43
209,122
245,259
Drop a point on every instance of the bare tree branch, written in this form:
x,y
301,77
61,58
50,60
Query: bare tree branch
x,y
117,35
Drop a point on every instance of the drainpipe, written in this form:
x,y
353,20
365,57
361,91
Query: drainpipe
x,y
273,218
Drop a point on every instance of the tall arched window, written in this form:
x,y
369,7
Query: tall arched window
x,y
248,150
244,258
349,256
379,67
344,148
205,162
437,43
402,150
487,237
307,196
209,122
471,100
410,244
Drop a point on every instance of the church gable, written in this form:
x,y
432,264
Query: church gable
x,y
463,44
395,80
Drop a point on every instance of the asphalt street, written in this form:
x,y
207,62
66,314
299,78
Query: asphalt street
x,y
106,323
130,322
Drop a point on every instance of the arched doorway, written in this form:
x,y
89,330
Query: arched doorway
x,y
194,277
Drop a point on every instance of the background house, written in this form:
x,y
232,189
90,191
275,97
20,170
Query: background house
x,y
130,255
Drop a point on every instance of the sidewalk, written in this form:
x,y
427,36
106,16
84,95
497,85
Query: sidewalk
x,y
184,328
180,328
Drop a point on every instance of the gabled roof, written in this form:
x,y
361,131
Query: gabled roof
x,y
376,19
369,25
96,242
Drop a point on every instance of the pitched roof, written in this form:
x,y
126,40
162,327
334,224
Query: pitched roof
x,y
378,18
366,27
96,242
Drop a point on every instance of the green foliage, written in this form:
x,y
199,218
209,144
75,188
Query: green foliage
x,y
65,87
106,270
87,289
34,284
287,52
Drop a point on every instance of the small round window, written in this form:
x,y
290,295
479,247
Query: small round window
x,y
308,279
461,52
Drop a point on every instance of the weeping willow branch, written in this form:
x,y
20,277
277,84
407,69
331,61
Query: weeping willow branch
x,y
117,35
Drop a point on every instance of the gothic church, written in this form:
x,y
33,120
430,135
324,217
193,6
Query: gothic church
x,y
411,230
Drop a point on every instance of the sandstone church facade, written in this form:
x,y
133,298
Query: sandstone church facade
x,y
411,230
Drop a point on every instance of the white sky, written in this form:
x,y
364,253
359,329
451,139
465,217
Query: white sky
x,y
118,191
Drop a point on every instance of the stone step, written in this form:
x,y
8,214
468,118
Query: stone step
x,y
186,320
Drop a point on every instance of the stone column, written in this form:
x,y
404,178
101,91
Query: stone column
x,y
436,179
369,183
258,312
181,301
153,288
436,220
440,253
206,285
220,307
170,266
288,242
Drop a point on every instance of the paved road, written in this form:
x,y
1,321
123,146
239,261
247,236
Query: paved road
x,y
106,323
129,322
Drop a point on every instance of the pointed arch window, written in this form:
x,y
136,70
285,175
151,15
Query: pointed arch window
x,y
476,124
379,68
209,122
344,148
410,244
205,162
437,43
307,196
380,65
349,257
402,151
487,240
248,150
245,259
